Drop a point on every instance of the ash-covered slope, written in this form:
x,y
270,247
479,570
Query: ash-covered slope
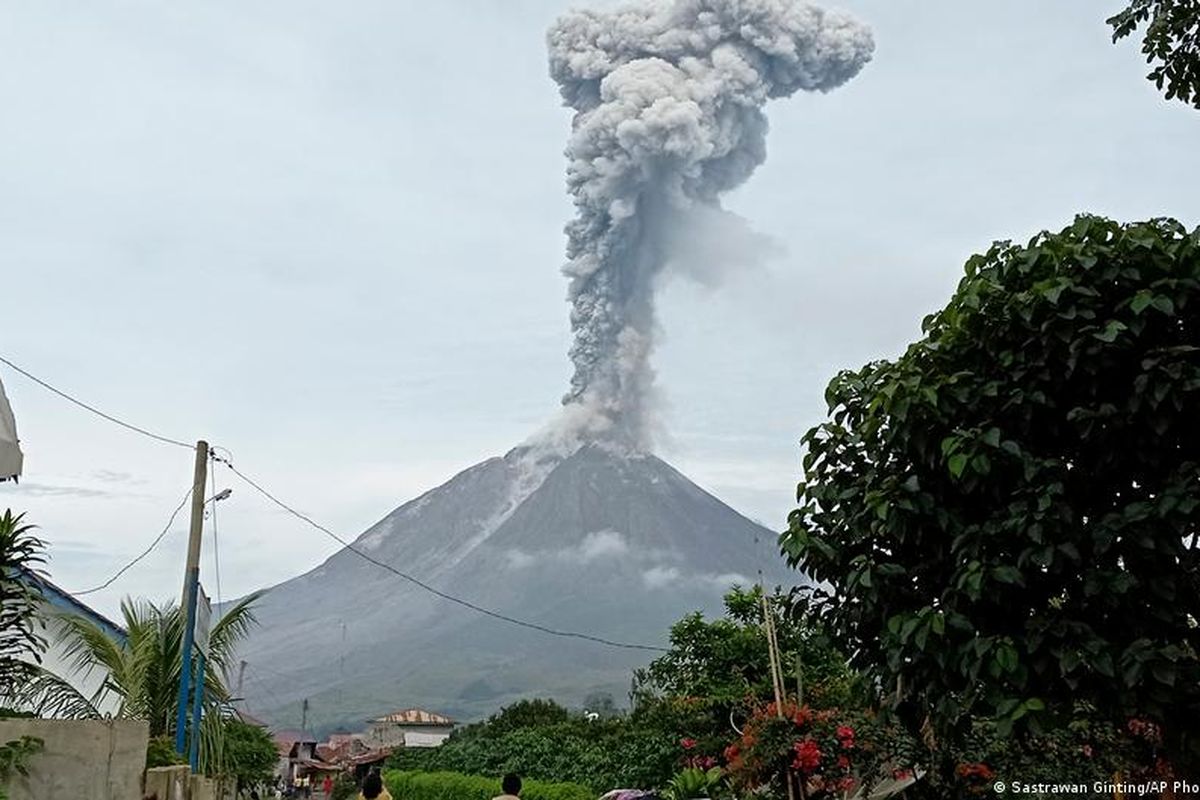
x,y
616,546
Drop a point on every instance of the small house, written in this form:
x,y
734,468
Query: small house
x,y
411,727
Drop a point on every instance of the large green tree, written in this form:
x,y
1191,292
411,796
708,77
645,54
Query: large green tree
x,y
1006,518
1171,43
723,663
250,755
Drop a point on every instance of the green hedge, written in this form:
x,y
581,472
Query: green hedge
x,y
456,786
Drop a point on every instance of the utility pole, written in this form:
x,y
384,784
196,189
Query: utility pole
x,y
191,580
304,715
241,674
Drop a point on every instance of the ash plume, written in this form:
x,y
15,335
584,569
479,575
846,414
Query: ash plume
x,y
669,98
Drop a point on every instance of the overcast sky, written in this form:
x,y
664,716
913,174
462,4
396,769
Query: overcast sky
x,y
327,237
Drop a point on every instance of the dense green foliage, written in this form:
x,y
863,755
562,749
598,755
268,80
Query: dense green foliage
x,y
603,755
685,706
1006,516
20,640
724,662
693,782
160,752
249,753
1171,43
456,786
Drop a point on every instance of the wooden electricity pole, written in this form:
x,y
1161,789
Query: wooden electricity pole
x,y
191,581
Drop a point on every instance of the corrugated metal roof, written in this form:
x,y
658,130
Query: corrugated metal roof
x,y
415,716
62,600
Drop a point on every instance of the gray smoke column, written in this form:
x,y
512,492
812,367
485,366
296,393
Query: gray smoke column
x,y
669,99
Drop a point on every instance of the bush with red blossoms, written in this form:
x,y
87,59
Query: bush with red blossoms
x,y
827,751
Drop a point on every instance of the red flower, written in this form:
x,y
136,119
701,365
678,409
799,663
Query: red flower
x,y
845,735
901,774
846,784
688,744
843,763
808,755
980,771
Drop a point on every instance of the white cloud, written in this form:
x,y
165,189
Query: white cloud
x,y
728,579
660,577
601,544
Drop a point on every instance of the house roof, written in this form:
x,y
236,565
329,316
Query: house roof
x,y
415,716
286,740
64,601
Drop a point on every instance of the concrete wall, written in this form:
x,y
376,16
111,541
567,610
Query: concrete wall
x,y
82,760
177,783
169,783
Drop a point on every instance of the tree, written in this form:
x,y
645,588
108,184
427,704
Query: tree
x,y
724,662
1007,517
143,671
21,644
535,713
1171,43
250,754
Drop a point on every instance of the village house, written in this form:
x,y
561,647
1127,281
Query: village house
x,y
411,727
298,756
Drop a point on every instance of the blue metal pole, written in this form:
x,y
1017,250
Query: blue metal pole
x,y
189,633
197,707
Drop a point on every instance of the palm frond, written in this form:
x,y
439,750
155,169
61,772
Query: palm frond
x,y
230,629
47,695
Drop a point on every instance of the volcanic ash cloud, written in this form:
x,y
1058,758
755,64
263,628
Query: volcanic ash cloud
x,y
669,99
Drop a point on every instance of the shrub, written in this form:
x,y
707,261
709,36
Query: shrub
x,y
456,786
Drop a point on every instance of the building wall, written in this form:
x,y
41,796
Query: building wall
x,y
55,660
81,760
426,737
389,734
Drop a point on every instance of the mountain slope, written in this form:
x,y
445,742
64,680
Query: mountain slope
x,y
616,546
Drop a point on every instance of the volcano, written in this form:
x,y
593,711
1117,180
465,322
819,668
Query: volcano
x,y
613,545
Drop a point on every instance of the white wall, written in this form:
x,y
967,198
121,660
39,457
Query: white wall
x,y
55,660
425,738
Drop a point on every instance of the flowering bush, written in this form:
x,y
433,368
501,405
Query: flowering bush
x,y
826,751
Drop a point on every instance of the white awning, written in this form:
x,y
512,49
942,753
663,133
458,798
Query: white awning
x,y
10,452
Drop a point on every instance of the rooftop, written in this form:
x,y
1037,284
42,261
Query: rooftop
x,y
415,716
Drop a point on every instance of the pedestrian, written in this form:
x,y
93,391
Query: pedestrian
x,y
373,788
327,786
511,786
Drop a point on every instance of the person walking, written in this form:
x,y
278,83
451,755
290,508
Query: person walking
x,y
373,788
327,786
511,786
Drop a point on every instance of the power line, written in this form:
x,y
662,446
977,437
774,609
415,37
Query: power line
x,y
383,565
96,411
417,582
145,552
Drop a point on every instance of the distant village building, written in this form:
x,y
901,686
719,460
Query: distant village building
x,y
412,727
297,755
